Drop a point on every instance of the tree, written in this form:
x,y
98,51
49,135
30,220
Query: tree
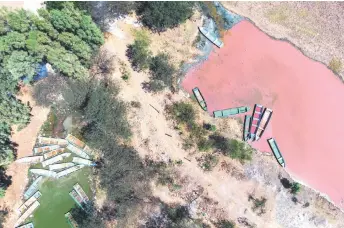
x,y
159,16
19,20
138,53
161,70
74,43
67,63
295,188
21,64
6,148
12,111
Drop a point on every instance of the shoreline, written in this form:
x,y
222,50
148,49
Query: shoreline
x,y
322,194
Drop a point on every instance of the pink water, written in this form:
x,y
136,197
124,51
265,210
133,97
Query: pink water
x,y
307,101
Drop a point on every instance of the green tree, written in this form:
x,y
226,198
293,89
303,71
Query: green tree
x,y
138,53
77,45
20,64
2,192
12,41
65,62
19,20
6,149
159,16
12,111
161,70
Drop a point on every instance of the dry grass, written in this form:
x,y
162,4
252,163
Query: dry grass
x,y
314,27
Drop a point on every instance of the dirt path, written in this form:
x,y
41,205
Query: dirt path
x,y
25,139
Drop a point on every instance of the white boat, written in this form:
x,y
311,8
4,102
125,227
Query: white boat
x,y
75,141
61,166
45,149
69,171
27,213
211,37
83,161
33,187
53,153
52,141
55,159
78,151
30,160
43,172
28,203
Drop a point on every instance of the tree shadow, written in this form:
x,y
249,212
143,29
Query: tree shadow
x,y
285,183
5,180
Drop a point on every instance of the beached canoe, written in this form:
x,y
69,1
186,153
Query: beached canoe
x,y
210,36
276,151
263,123
200,98
256,117
230,112
246,128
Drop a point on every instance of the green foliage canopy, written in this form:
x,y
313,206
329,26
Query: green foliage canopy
x,y
162,15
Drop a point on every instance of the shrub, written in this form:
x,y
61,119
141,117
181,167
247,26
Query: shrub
x,y
208,162
2,192
232,147
225,224
258,204
336,65
138,53
182,112
204,144
159,16
295,188
135,104
3,215
209,127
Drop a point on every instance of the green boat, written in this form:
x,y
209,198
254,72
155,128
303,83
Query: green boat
x,y
246,127
230,112
200,98
276,151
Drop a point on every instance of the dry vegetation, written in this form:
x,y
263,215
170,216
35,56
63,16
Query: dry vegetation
x,y
314,27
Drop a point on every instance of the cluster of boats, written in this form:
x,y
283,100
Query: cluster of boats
x,y
50,154
254,125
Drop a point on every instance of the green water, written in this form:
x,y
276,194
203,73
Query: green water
x,y
56,201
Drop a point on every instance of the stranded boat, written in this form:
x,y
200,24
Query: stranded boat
x,y
230,111
263,122
211,37
246,127
276,151
200,98
256,116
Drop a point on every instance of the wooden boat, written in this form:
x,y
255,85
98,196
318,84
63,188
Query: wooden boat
x,y
246,127
200,98
211,37
256,116
263,122
230,112
276,151
70,220
74,140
